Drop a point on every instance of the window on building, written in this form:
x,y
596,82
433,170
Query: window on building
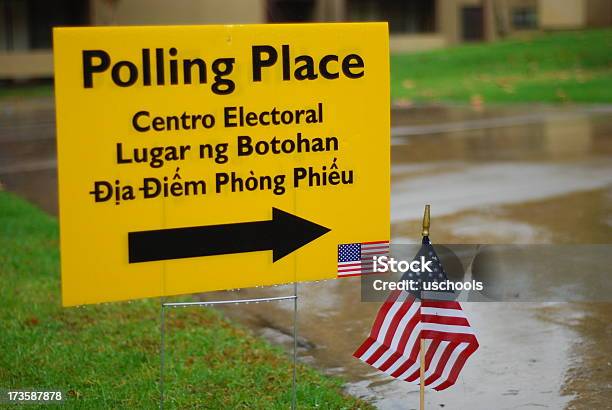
x,y
472,23
524,18
13,25
290,11
408,16
27,24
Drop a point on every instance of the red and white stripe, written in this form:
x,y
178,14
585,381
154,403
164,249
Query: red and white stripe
x,y
363,266
352,268
394,341
369,249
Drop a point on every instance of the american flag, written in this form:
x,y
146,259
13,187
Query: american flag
x,y
356,258
394,343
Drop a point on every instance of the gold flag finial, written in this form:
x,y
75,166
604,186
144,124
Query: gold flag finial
x,y
425,231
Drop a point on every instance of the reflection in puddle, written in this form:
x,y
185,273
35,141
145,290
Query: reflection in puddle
x,y
493,184
546,182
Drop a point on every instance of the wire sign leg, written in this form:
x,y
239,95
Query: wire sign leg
x,y
162,351
294,384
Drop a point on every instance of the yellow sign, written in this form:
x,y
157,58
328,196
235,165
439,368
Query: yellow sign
x,y
199,158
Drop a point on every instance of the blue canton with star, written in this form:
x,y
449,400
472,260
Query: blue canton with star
x,y
350,252
437,273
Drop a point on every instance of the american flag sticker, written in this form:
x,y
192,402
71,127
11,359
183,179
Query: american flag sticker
x,y
355,259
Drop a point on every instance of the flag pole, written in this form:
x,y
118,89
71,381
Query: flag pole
x,y
426,222
424,233
422,375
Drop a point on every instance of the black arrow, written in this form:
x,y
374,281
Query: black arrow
x,y
283,234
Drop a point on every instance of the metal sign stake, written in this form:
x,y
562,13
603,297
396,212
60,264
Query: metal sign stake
x,y
294,383
162,331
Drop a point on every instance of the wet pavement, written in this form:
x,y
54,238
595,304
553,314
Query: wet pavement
x,y
27,150
518,174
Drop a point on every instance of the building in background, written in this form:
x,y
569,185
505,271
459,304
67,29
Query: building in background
x,y
25,25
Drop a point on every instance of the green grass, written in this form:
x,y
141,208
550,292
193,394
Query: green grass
x,y
107,356
559,67
26,91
